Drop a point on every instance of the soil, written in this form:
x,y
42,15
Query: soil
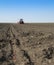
x,y
27,44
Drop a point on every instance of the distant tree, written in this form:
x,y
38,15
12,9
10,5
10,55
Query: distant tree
x,y
21,21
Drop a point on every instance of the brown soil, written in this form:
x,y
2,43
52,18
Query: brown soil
x,y
26,44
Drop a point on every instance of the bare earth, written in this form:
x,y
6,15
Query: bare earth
x,y
27,44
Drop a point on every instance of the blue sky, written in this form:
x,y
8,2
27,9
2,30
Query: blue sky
x,y
29,10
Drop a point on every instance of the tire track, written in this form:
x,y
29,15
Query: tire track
x,y
6,49
16,51
25,53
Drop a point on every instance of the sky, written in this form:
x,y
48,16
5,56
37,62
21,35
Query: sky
x,y
31,11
